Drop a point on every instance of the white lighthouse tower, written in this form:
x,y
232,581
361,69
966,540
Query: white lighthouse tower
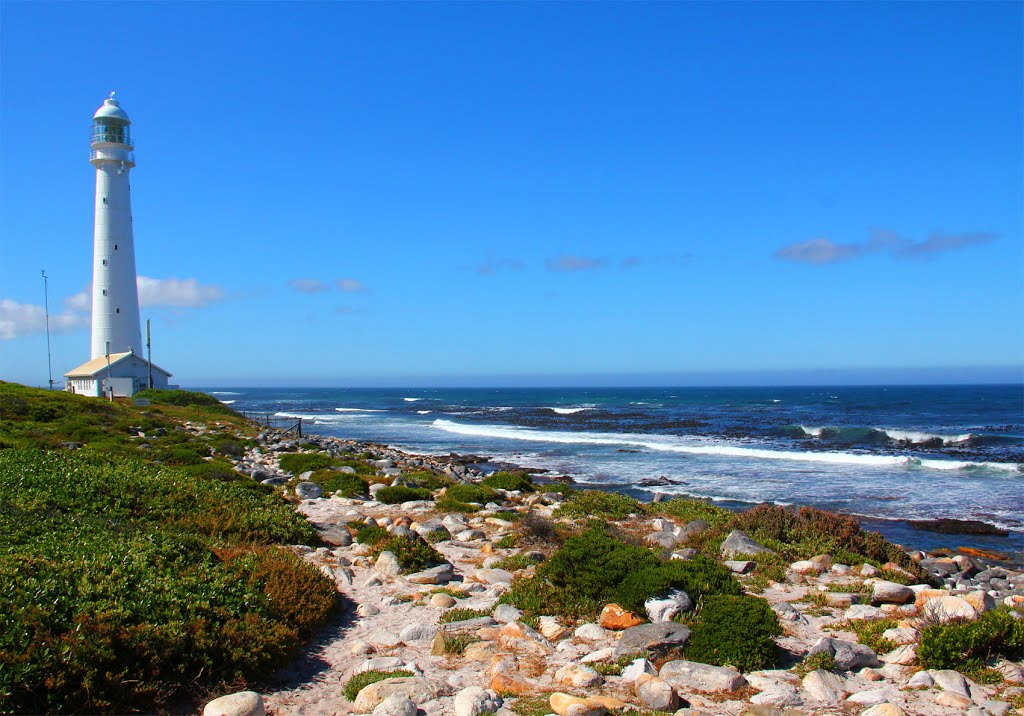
x,y
116,366
115,295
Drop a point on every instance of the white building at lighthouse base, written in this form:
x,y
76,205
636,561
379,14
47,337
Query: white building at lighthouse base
x,y
124,373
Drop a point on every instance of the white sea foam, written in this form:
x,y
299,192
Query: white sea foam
x,y
568,411
359,410
673,444
424,412
918,437
226,402
412,400
223,392
814,432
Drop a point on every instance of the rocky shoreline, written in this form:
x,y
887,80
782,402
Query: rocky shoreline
x,y
396,620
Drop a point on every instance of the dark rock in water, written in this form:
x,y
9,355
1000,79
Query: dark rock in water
x,y
656,481
625,450
958,527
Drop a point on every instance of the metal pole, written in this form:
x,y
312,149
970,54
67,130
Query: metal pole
x,y
149,350
46,303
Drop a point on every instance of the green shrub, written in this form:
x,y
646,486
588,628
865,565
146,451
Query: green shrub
x,y
698,577
371,534
400,493
735,631
180,397
300,462
428,479
125,583
505,480
332,481
595,503
514,562
472,493
967,646
361,680
458,614
447,504
685,510
593,568
414,555
455,644
819,660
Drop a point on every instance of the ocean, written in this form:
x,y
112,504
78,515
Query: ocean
x,y
887,454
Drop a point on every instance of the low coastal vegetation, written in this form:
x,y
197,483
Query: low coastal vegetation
x,y
136,566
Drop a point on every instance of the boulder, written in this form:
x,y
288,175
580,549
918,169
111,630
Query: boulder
x,y
586,632
691,675
863,611
505,613
615,617
308,491
577,676
655,694
467,625
884,709
824,686
665,606
946,609
384,639
807,567
921,680
905,655
637,667
550,628
441,574
417,632
657,639
667,540
691,529
949,680
566,705
387,564
521,639
242,703
739,566
473,701
884,592
493,576
956,701
414,688
780,695
848,655
380,663
442,601
395,705
739,542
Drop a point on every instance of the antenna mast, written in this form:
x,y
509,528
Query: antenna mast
x,y
149,360
46,303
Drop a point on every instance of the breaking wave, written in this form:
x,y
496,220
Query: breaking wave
x,y
672,444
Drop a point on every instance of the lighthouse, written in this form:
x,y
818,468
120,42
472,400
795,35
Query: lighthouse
x,y
116,366
115,294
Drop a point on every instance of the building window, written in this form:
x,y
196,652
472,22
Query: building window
x,y
104,200
104,262
118,310
115,247
104,292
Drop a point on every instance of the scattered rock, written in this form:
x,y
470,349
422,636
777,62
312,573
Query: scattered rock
x,y
656,639
884,592
371,696
701,677
395,705
387,564
417,632
824,686
615,617
655,694
242,703
505,613
440,574
739,543
663,607
473,701
566,705
442,601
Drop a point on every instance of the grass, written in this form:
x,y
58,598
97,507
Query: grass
x,y
125,583
455,644
513,563
363,679
821,660
451,592
593,503
968,646
458,614
869,632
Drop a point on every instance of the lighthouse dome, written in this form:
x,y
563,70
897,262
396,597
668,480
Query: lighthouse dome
x,y
111,109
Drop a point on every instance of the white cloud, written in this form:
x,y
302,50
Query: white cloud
x,y
80,302
350,285
184,293
571,262
22,319
818,251
308,285
826,251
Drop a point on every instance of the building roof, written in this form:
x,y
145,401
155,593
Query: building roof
x,y
111,109
98,365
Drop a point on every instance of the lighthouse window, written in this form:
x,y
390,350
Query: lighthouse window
x,y
104,200
118,311
104,262
104,292
115,247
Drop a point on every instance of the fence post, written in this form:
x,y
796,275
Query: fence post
x,y
300,427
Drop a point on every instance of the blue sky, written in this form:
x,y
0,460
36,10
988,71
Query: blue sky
x,y
351,194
